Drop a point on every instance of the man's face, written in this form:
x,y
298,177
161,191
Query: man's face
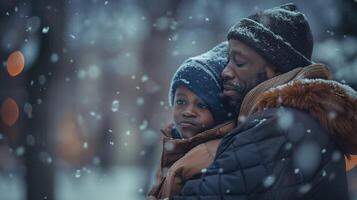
x,y
245,70
191,114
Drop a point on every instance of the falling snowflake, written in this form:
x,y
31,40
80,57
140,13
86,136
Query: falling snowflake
x,y
28,110
85,145
54,57
285,119
42,79
20,151
45,29
143,125
77,174
128,132
144,78
268,181
140,101
169,146
115,106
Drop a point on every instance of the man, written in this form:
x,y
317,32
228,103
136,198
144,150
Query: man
x,y
294,124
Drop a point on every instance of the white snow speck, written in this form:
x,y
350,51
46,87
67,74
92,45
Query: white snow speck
x,y
323,150
285,119
42,79
169,146
94,71
261,121
304,189
336,156
268,181
28,110
20,151
115,106
128,132
323,173
144,78
45,29
96,161
85,145
77,174
54,57
143,125
140,101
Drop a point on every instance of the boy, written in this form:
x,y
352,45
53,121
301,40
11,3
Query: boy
x,y
190,144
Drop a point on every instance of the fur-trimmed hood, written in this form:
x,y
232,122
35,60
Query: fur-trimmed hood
x,y
332,103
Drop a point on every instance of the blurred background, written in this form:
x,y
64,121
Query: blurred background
x,y
84,85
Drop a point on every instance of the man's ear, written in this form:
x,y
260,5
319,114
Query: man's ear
x,y
271,71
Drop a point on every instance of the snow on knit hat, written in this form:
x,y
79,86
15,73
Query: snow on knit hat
x,y
281,35
202,75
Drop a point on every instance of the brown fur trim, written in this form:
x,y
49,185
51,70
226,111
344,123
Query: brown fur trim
x,y
333,104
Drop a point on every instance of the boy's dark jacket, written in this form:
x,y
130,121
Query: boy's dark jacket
x,y
290,143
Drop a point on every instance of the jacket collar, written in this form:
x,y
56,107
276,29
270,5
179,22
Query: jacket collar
x,y
174,149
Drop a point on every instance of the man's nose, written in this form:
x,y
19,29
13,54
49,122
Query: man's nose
x,y
227,73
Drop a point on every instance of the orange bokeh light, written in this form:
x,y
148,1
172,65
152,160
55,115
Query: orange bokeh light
x,y
9,112
15,63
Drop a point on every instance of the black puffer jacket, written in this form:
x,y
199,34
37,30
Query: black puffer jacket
x,y
260,160
292,147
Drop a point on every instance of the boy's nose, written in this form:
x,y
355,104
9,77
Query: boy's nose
x,y
189,112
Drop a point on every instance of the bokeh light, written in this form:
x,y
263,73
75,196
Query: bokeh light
x,y
9,112
15,63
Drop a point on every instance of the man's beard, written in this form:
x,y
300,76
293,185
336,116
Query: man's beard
x,y
241,89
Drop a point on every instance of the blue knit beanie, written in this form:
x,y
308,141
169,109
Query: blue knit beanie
x,y
202,75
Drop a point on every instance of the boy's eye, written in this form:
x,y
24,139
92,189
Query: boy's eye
x,y
180,102
202,105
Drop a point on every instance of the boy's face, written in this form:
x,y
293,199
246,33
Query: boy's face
x,y
191,114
